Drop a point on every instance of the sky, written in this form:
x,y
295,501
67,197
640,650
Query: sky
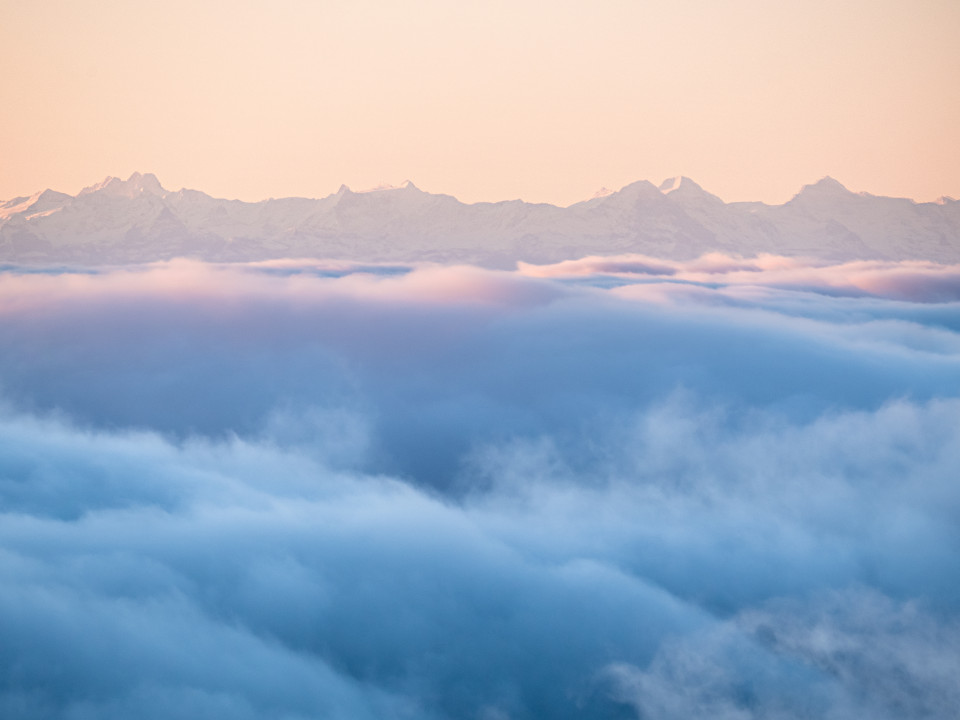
x,y
589,490
544,101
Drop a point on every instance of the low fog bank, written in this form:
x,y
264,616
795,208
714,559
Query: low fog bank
x,y
621,492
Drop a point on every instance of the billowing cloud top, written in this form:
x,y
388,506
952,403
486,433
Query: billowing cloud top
x,y
618,487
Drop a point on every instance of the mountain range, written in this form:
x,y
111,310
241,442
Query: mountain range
x,y
137,220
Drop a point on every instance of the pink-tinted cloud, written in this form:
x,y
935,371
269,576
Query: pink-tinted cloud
x,y
301,281
913,280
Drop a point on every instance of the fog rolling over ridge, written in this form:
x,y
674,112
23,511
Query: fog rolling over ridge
x,y
137,220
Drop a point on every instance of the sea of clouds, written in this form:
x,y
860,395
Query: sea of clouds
x,y
723,489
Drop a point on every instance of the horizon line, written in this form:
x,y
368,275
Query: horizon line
x,y
825,181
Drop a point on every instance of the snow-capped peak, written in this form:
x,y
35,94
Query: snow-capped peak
x,y
38,204
825,186
146,183
103,184
136,184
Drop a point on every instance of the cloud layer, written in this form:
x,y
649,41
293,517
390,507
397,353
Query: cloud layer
x,y
311,491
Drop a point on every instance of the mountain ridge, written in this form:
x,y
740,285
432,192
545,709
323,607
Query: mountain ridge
x,y
138,220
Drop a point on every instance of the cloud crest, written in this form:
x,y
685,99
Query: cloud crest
x,y
446,493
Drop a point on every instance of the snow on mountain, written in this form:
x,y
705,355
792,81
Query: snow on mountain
x,y
37,205
825,187
685,189
137,220
135,185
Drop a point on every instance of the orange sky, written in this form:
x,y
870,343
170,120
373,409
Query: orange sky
x,y
543,100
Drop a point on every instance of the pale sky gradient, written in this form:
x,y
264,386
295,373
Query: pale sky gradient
x,y
542,100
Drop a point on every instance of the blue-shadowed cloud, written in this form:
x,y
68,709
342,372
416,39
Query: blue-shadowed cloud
x,y
450,493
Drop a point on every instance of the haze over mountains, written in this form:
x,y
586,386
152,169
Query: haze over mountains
x,y
137,220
